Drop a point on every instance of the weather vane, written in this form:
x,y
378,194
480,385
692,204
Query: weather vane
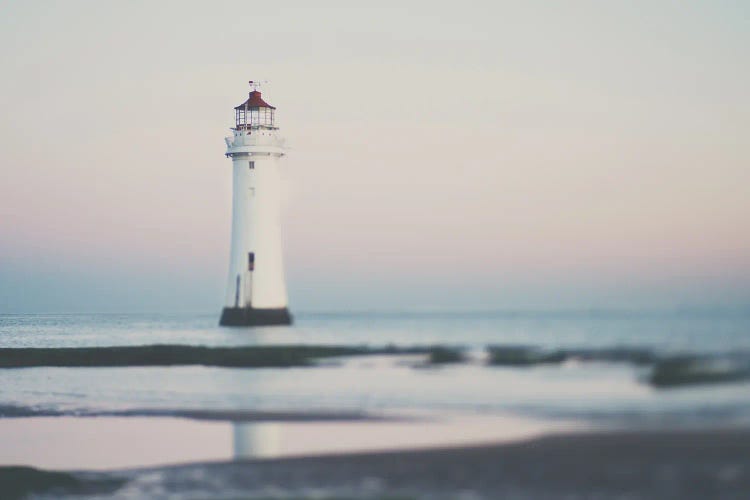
x,y
255,84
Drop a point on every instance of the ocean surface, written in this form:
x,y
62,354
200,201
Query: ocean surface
x,y
598,392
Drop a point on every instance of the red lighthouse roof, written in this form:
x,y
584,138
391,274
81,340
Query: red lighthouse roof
x,y
255,101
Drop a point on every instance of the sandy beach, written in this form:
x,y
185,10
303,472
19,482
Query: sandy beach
x,y
653,465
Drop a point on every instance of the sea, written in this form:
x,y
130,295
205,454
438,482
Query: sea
x,y
588,390
44,408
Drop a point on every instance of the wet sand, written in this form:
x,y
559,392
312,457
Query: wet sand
x,y
658,465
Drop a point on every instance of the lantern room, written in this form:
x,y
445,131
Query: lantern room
x,y
254,113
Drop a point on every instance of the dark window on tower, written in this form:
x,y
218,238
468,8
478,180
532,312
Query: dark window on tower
x,y
251,164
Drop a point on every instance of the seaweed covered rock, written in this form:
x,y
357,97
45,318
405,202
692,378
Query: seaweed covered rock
x,y
445,355
522,356
689,370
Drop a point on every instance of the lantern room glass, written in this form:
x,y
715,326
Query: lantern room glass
x,y
260,117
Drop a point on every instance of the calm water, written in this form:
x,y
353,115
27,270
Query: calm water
x,y
689,331
599,392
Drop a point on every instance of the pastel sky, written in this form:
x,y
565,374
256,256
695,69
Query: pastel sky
x,y
444,155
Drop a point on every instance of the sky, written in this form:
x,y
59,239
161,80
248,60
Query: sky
x,y
443,155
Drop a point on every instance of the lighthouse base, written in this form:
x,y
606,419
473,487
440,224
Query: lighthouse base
x,y
245,316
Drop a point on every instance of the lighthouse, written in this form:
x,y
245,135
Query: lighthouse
x,y
256,290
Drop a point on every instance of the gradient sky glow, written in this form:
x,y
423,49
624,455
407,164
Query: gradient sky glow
x,y
444,155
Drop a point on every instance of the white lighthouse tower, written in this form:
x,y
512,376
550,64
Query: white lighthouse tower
x,y
256,291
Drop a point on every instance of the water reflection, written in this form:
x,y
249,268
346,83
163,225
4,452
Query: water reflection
x,y
295,438
256,440
97,443
125,442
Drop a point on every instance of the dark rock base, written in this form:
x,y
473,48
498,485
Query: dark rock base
x,y
240,316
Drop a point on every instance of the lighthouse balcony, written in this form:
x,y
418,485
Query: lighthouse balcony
x,y
275,148
241,123
256,150
257,138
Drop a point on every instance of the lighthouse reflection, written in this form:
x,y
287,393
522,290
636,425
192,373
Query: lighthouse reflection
x,y
304,437
256,440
